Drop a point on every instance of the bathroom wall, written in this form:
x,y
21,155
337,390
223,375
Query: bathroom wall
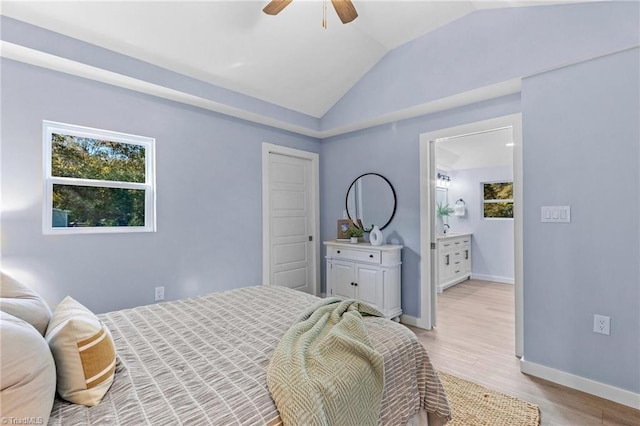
x,y
492,242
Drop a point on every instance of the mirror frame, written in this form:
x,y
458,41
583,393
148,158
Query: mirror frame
x,y
393,191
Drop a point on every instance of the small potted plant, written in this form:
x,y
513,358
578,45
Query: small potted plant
x,y
354,233
442,211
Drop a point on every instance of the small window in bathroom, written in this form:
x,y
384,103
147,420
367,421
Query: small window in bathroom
x,y
497,201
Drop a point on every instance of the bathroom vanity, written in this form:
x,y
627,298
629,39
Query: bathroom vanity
x,y
454,259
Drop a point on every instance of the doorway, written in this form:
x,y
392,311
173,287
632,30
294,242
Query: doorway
x,y
429,223
290,217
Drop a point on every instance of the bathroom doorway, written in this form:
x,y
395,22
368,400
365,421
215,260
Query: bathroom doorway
x,y
463,193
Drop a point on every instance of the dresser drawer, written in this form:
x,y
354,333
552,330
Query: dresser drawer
x,y
458,253
446,244
351,254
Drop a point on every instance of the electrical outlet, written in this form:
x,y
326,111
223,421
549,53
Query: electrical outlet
x,y
159,293
601,324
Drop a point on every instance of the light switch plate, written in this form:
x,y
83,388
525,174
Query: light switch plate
x,y
555,214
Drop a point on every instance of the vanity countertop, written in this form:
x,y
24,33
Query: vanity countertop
x,y
452,235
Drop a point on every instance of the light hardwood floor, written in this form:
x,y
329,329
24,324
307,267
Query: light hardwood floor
x,y
475,339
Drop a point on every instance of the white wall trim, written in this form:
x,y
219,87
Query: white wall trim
x,y
57,63
493,91
410,320
427,304
268,148
493,278
67,66
612,393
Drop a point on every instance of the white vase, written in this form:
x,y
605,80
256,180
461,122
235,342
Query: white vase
x,y
375,236
439,225
354,240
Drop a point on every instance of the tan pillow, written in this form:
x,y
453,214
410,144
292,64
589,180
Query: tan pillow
x,y
22,302
27,373
84,353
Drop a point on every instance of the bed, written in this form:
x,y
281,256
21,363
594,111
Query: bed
x,y
202,361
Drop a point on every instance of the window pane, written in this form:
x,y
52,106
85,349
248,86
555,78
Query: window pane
x,y
498,210
85,158
498,191
87,206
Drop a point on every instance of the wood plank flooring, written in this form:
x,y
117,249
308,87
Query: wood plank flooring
x,y
475,339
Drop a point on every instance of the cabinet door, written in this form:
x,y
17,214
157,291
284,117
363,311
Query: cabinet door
x,y
444,266
343,275
466,259
369,288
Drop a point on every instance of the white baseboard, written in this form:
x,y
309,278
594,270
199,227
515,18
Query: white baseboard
x,y
412,321
494,278
612,393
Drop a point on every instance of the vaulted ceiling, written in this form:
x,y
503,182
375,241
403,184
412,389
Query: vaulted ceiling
x,y
289,60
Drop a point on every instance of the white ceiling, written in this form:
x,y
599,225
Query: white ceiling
x,y
474,151
288,59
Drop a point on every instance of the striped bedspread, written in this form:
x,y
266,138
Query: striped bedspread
x,y
201,361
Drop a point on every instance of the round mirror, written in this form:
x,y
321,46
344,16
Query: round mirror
x,y
371,200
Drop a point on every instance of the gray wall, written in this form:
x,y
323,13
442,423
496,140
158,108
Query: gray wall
x,y
209,208
492,243
581,130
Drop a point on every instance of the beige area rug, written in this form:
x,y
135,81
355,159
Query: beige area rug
x,y
475,405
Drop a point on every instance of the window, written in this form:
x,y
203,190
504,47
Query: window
x,y
497,202
97,181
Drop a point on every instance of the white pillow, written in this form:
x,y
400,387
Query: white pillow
x,y
27,373
22,302
84,353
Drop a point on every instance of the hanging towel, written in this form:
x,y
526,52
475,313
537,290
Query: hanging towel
x,y
460,208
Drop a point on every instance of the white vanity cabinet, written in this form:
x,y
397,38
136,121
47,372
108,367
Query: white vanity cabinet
x,y
454,259
367,273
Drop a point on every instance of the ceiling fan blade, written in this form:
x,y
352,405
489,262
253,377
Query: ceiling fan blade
x,y
275,6
345,10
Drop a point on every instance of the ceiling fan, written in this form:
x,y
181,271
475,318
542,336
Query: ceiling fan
x,y
344,8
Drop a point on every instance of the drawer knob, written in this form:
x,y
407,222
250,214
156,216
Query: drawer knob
x,y
356,284
371,256
338,251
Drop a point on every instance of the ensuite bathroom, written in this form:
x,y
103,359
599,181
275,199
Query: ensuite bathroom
x,y
474,208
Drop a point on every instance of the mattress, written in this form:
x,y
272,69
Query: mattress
x,y
202,361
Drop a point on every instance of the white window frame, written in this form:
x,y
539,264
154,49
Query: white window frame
x,y
510,200
149,186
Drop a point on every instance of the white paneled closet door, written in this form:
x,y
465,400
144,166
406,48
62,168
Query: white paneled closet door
x,y
291,222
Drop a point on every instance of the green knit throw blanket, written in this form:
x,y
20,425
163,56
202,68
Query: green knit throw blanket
x,y
325,370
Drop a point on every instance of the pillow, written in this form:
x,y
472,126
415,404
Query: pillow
x,y
27,372
22,302
84,353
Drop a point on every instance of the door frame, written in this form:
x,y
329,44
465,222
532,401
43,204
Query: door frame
x,y
267,149
428,285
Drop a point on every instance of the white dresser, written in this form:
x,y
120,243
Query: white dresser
x,y
454,259
367,273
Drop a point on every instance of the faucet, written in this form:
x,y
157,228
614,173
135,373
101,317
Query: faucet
x,y
445,227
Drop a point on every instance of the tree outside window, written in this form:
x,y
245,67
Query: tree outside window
x,y
497,200
97,181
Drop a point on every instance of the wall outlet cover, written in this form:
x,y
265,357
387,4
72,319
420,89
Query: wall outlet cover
x,y
601,324
159,293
